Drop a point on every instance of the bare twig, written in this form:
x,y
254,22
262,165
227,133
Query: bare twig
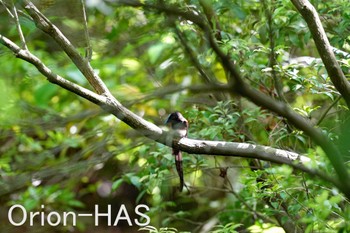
x,y
110,104
154,132
272,57
324,114
52,77
7,9
260,99
18,25
82,64
206,77
252,210
88,49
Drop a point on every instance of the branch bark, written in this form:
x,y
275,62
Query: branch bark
x,y
324,48
260,99
221,148
282,109
104,99
81,63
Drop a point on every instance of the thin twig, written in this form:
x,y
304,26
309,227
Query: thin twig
x,y
52,77
240,87
272,57
242,201
152,131
88,50
148,129
325,50
7,9
81,63
324,114
194,60
18,25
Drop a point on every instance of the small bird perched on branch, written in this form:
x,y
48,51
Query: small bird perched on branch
x,y
179,125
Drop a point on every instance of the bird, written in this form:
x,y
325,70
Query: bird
x,y
179,125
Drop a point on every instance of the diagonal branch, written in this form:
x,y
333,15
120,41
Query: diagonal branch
x,y
26,55
260,99
19,29
105,100
110,104
81,63
324,48
206,77
278,84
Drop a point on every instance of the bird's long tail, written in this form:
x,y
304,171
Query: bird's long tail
x,y
178,164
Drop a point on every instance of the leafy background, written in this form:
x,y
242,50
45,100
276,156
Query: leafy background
x,y
64,152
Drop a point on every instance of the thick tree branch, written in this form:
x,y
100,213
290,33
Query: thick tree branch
x,y
246,150
324,48
81,63
52,77
260,99
110,104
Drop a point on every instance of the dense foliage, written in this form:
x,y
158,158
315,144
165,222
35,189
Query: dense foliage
x,y
62,151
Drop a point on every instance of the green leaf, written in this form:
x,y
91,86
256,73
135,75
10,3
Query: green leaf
x,y
44,93
116,184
